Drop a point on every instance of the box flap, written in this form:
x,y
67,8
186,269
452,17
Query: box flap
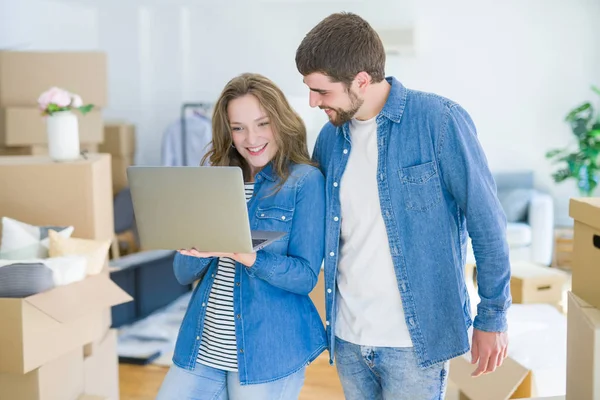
x,y
591,313
498,385
69,302
586,210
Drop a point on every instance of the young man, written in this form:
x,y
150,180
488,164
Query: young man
x,y
405,178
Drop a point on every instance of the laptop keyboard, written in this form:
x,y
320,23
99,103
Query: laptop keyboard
x,y
256,242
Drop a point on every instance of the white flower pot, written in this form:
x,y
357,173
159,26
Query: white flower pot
x,y
63,136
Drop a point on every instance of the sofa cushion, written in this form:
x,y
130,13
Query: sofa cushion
x,y
518,234
515,203
21,240
95,251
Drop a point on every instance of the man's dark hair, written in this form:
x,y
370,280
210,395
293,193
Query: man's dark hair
x,y
341,46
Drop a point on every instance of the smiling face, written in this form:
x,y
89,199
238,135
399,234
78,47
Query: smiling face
x,y
251,131
339,102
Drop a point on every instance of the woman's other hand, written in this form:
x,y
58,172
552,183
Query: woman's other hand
x,y
247,259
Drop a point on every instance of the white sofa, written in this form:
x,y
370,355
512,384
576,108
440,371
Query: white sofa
x,y
530,218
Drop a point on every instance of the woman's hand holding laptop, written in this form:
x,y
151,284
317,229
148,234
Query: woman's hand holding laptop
x,y
247,259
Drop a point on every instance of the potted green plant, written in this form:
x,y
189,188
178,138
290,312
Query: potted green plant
x,y
580,160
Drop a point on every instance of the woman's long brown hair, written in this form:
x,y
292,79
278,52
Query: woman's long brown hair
x,y
288,128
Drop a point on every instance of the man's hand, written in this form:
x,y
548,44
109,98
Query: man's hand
x,y
247,259
489,348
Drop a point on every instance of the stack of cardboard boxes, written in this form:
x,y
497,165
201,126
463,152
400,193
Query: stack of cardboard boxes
x,y
119,142
58,344
24,76
583,318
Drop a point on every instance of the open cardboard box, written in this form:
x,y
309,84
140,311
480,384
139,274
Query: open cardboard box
x,y
583,350
586,249
510,381
40,328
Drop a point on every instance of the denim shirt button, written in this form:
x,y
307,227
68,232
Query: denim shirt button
x,y
332,254
327,323
411,322
239,316
345,151
335,184
203,304
336,219
197,337
328,290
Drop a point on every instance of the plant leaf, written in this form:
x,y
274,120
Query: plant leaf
x,y
554,152
576,111
86,109
561,175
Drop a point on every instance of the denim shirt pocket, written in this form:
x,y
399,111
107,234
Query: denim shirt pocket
x,y
275,219
421,184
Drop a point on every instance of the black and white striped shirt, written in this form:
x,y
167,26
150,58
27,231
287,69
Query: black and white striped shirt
x,y
218,348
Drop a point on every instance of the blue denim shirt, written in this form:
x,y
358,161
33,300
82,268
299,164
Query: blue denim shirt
x,y
278,328
433,182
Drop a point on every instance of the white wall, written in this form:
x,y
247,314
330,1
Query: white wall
x,y
516,66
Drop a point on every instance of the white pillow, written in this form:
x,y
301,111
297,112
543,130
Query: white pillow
x,y
21,241
65,270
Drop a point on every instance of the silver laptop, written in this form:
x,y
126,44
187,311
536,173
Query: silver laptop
x,y
194,207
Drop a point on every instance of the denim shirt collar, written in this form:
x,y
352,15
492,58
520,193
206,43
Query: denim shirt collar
x,y
267,173
393,108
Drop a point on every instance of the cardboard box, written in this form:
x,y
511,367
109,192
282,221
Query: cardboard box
x,y
119,139
101,368
510,381
91,397
24,76
41,150
25,126
119,172
40,328
38,191
586,249
534,283
583,350
59,379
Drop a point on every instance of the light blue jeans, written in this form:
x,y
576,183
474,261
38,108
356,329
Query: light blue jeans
x,y
386,373
206,383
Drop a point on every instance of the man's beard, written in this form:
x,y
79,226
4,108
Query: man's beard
x,y
342,116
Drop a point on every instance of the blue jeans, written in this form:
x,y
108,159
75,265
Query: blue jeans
x,y
386,373
206,383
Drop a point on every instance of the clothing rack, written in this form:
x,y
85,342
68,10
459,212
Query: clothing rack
x,y
184,109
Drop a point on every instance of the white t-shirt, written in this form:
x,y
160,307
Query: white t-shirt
x,y
369,304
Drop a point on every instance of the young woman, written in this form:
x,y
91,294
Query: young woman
x,y
250,329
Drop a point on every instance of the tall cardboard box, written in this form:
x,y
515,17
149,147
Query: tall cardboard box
x,y
59,379
101,368
25,75
119,142
583,350
40,328
38,191
586,249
